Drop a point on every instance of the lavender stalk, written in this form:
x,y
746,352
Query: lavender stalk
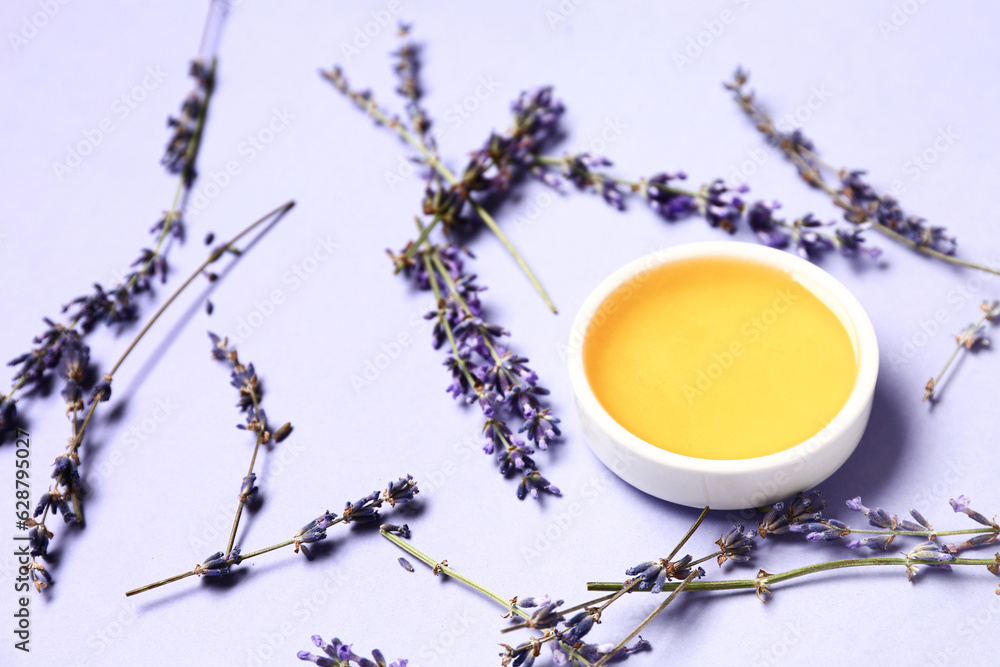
x,y
364,510
67,492
972,337
861,204
119,304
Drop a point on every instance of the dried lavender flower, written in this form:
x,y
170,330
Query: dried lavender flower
x,y
339,654
736,544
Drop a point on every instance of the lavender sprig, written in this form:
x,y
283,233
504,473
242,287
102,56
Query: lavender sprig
x,y
489,171
565,634
119,304
339,654
972,337
722,206
68,491
862,205
365,510
483,369
244,379
804,515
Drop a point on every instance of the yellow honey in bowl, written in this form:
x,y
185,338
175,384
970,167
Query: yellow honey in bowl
x,y
719,358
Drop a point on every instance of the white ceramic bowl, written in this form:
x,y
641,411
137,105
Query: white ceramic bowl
x,y
737,483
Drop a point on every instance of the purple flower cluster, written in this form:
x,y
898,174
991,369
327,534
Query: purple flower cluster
x,y
364,510
484,370
567,637
868,206
862,206
805,516
339,654
804,508
721,205
736,544
178,157
244,379
504,156
218,564
118,304
654,574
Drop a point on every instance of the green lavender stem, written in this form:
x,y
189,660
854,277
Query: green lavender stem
x,y
649,619
443,568
457,576
381,117
169,219
811,175
214,256
734,584
231,561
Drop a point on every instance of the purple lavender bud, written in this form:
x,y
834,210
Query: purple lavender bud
x,y
248,489
532,482
874,542
528,603
403,530
774,522
405,564
578,626
43,503
855,504
218,564
102,392
38,540
546,616
962,505
735,544
909,525
8,410
761,220
401,491
930,551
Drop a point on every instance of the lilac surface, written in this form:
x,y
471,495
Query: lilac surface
x,y
164,492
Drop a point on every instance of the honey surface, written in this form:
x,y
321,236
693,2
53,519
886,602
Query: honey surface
x,y
719,358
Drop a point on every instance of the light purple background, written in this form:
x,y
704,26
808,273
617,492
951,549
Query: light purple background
x,y
887,97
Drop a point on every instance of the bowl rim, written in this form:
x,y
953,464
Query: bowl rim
x,y
833,294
